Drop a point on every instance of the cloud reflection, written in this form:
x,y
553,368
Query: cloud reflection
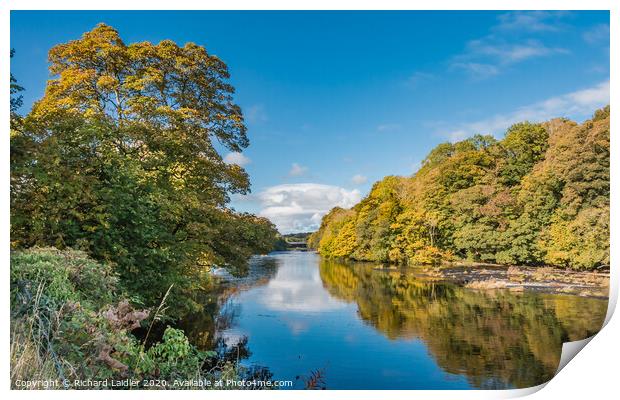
x,y
298,289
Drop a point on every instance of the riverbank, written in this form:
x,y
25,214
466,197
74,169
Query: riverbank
x,y
519,278
73,328
486,276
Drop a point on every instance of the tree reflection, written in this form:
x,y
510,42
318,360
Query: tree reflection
x,y
218,312
498,339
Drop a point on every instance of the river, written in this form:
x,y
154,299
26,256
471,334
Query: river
x,y
359,326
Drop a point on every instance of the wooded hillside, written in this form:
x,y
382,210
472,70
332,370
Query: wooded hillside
x,y
538,196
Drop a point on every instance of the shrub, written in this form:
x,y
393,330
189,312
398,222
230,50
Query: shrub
x,y
428,255
67,322
68,275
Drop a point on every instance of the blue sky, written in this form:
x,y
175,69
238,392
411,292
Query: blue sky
x,y
334,101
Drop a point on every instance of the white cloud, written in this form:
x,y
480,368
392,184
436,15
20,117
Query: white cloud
x,y
237,158
297,170
300,207
578,104
515,38
508,53
359,179
531,21
487,56
598,33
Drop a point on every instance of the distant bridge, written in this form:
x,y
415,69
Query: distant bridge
x,y
297,245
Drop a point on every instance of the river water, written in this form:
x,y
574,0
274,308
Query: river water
x,y
359,326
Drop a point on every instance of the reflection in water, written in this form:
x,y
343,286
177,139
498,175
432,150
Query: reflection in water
x,y
298,288
370,329
218,311
495,338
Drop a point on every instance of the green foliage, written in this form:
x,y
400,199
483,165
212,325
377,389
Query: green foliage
x,y
65,276
539,196
524,145
119,159
68,322
16,100
62,319
174,357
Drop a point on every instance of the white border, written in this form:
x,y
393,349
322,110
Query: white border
x,y
592,374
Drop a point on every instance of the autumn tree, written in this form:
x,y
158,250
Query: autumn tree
x,y
538,196
127,162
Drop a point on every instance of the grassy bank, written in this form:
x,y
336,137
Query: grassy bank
x,y
70,325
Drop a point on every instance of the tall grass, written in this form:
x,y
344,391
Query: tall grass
x,y
68,323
